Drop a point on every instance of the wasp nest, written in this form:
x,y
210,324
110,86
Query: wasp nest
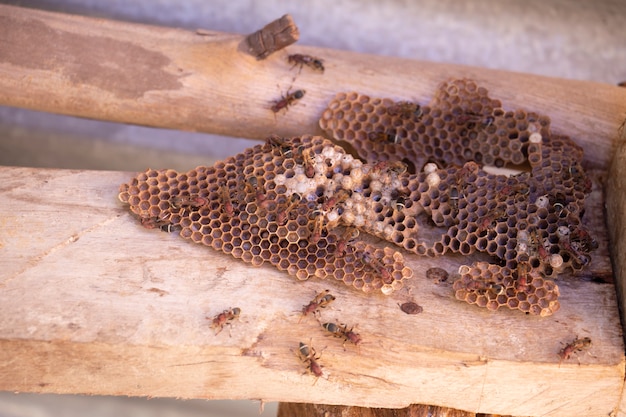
x,y
279,203
529,223
300,203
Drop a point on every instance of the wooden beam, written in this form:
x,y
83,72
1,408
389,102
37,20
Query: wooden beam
x,y
205,81
94,303
616,217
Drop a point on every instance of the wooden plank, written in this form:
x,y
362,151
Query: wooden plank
x,y
207,82
94,303
616,217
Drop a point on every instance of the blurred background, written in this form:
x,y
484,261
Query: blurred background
x,y
575,39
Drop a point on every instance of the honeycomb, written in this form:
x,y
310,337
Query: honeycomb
x,y
282,203
304,205
529,223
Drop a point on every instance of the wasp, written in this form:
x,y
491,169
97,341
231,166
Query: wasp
x,y
225,318
277,142
337,198
398,203
308,355
342,331
285,101
318,228
397,167
308,161
405,109
308,60
490,218
583,239
582,243
516,189
188,201
283,215
454,200
155,222
577,345
378,266
470,119
344,240
227,204
521,284
482,287
259,195
321,300
383,137
541,249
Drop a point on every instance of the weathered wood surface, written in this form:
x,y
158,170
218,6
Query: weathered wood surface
x,y
207,82
94,303
616,216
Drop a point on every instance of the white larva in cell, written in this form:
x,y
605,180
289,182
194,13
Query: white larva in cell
x,y
327,152
359,220
433,179
556,261
302,187
464,269
356,174
347,159
313,183
299,178
430,167
562,231
523,236
335,159
280,179
347,182
535,137
379,227
542,201
348,217
386,289
333,216
376,186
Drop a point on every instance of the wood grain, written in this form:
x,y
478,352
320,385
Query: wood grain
x,y
204,82
94,303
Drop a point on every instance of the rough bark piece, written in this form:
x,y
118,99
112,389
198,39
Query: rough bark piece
x,y
273,37
319,410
